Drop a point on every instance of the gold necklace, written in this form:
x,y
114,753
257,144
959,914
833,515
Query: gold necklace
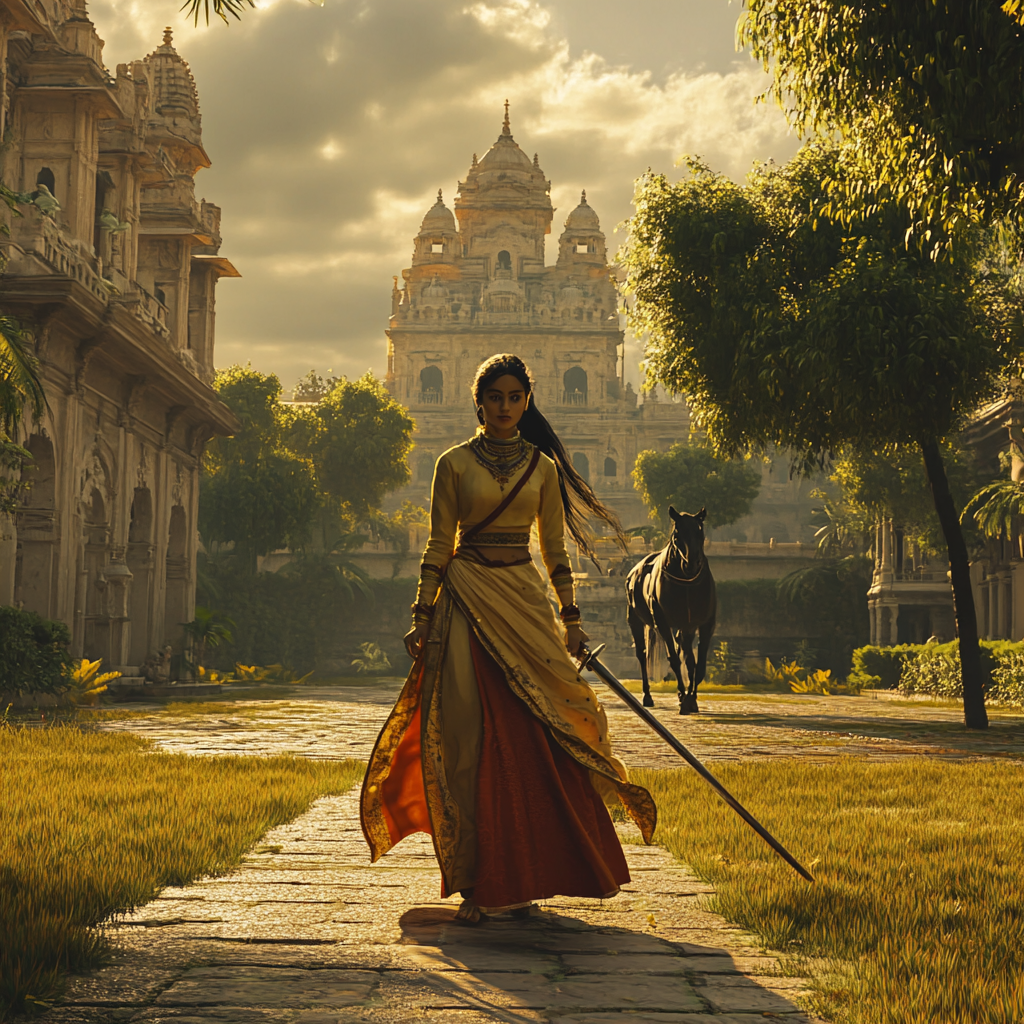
x,y
501,458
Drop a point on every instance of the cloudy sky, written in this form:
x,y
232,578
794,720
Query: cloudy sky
x,y
332,127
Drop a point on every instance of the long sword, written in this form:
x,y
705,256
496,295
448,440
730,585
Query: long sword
x,y
589,659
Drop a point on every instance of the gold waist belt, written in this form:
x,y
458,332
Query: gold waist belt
x,y
501,540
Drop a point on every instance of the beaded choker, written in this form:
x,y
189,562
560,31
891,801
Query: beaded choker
x,y
501,458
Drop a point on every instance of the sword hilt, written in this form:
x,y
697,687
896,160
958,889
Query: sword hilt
x,y
585,655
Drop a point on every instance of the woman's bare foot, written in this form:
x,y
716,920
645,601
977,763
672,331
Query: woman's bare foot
x,y
468,913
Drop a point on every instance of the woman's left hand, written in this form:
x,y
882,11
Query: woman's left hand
x,y
575,638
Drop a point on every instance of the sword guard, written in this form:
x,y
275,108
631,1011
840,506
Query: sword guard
x,y
586,655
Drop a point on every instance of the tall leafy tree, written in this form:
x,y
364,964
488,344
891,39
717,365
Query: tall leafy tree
x,y
690,477
929,98
358,438
785,327
892,484
257,493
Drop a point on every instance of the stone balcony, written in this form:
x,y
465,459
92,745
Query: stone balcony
x,y
40,245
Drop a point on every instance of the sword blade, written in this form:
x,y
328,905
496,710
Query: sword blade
x,y
591,661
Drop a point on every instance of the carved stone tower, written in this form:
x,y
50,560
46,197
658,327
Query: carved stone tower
x,y
479,285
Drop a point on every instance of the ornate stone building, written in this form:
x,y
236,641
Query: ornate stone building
x,y
117,288
478,285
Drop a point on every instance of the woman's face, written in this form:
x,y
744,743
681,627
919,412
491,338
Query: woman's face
x,y
503,403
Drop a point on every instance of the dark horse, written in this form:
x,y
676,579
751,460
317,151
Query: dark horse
x,y
673,591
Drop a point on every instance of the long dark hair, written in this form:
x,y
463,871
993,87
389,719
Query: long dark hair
x,y
578,500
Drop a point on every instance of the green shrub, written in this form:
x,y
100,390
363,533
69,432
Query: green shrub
x,y
936,671
880,668
34,653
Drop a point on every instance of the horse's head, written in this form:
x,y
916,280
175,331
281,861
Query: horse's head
x,y
688,536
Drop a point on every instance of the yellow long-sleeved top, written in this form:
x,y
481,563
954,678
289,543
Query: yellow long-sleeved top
x,y
464,493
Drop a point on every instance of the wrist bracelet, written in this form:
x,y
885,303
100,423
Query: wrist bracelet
x,y
422,613
570,614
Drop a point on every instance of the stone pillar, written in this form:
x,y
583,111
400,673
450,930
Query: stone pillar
x,y
1017,601
81,590
886,561
118,578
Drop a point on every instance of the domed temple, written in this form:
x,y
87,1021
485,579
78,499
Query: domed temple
x,y
478,285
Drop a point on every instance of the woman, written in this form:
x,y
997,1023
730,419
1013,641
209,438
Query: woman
x,y
496,747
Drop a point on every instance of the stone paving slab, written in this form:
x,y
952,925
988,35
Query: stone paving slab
x,y
307,932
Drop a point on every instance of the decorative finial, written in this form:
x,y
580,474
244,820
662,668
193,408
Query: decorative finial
x,y
168,36
583,198
474,160
440,201
536,161
506,128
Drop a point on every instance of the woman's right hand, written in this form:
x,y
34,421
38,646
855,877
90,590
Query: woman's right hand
x,y
416,637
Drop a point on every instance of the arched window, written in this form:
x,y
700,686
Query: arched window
x,y
140,529
41,473
610,468
582,465
39,552
425,469
504,260
575,383
176,534
45,177
431,385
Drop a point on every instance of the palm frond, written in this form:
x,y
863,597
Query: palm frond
x,y
19,376
996,507
221,8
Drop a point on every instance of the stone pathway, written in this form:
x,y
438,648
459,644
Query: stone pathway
x,y
343,721
306,931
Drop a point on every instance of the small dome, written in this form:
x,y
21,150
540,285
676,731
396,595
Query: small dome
x,y
439,219
505,155
174,88
435,290
583,218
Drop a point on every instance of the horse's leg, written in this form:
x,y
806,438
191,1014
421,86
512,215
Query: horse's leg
x,y
640,633
707,631
665,631
688,700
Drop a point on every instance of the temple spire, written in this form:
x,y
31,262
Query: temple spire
x,y
506,128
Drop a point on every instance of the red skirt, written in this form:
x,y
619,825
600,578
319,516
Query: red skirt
x,y
542,829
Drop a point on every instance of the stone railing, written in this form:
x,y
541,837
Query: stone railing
x,y
149,309
41,237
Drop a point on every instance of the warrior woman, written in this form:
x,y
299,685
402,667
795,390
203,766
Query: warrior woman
x,y
497,748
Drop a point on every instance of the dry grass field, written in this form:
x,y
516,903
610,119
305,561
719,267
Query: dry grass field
x,y
917,912
95,824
